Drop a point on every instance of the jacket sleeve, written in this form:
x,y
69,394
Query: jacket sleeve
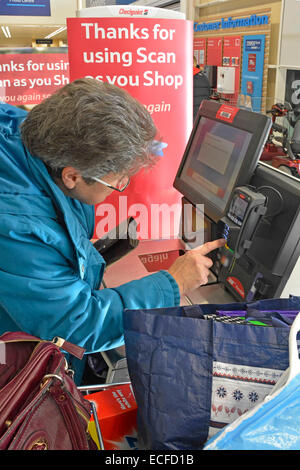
x,y
44,296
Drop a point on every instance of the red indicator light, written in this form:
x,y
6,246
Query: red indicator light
x,y
242,196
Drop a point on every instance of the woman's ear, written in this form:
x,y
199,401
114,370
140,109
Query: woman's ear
x,y
70,177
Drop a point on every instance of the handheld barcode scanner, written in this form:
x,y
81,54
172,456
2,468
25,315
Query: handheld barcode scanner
x,y
239,225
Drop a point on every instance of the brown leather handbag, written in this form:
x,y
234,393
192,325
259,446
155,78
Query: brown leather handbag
x,y
40,405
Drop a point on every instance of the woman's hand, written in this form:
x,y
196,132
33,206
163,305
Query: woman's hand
x,y
191,270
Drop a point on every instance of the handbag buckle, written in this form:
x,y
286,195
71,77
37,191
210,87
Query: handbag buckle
x,y
49,377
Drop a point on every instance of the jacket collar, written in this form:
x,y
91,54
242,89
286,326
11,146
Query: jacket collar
x,y
64,207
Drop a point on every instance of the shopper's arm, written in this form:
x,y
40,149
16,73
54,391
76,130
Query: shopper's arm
x,y
45,296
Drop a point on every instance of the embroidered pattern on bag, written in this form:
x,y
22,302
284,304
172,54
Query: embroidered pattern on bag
x,y
236,389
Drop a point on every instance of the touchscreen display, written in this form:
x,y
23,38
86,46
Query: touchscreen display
x,y
214,160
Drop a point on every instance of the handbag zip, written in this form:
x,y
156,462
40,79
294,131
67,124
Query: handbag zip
x,y
78,441
79,411
68,410
35,403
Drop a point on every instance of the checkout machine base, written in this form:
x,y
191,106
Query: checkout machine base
x,y
147,258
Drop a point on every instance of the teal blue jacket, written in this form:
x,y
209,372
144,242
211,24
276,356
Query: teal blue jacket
x,y
50,273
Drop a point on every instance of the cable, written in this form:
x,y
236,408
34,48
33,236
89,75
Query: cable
x,y
278,194
232,265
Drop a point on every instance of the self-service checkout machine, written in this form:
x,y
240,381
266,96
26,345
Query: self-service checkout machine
x,y
243,200
254,206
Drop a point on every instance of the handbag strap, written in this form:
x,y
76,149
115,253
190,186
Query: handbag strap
x,y
20,336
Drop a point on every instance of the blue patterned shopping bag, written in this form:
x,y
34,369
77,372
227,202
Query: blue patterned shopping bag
x,y
273,424
192,376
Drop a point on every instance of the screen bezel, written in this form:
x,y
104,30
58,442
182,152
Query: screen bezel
x,y
257,124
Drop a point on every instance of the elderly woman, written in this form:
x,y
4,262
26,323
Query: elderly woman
x,y
67,154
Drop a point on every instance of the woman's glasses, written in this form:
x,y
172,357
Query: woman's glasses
x,y
121,186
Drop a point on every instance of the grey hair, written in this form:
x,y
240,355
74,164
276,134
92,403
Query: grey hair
x,y
95,127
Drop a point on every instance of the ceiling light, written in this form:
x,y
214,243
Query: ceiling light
x,y
59,30
6,31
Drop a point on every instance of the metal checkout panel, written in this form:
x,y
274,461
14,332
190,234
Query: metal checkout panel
x,y
228,193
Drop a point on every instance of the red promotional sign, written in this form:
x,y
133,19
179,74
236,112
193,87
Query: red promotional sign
x,y
153,60
27,79
200,50
214,51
